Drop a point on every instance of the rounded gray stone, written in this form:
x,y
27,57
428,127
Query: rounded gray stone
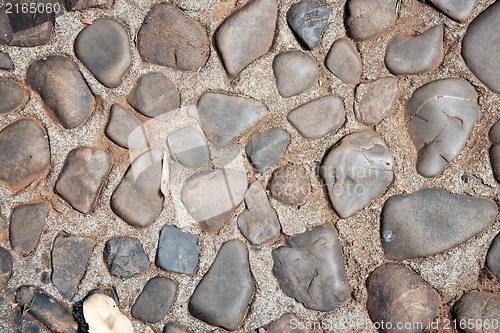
x,y
344,61
479,312
369,19
125,257
13,96
155,300
373,100
188,147
5,62
290,185
494,136
266,148
124,128
493,257
175,328
459,10
5,267
26,223
308,21
295,72
177,250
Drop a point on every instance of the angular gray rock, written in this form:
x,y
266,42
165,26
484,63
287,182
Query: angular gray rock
x,y
295,72
259,223
87,4
493,257
13,96
103,48
308,20
5,267
177,250
318,118
70,255
62,88
20,27
266,148
225,118
310,268
480,47
356,171
24,153
290,185
344,61
168,37
369,19
431,221
137,200
155,300
459,10
478,312
442,114
154,95
82,177
373,100
188,147
494,136
26,223
210,197
288,323
175,328
5,62
125,257
246,34
124,128
397,295
224,293
415,54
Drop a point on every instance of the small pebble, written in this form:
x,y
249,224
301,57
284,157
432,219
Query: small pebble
x,y
308,20
125,257
13,96
344,61
373,100
155,300
295,72
266,148
26,224
5,62
290,185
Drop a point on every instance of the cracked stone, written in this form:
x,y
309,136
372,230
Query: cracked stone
x,y
442,114
25,29
5,267
175,328
295,72
493,257
369,19
356,171
26,223
177,250
374,100
125,257
124,128
479,309
459,10
155,300
290,185
494,136
308,20
431,221
13,96
344,61
266,148
188,147
87,4
5,62
288,323
310,268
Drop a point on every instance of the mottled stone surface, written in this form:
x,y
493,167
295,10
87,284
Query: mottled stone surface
x,y
397,295
442,114
188,147
26,223
124,128
344,61
318,118
5,62
82,177
223,295
308,20
259,223
493,257
266,148
5,267
246,34
369,19
168,37
87,4
290,185
289,323
295,72
175,328
22,28
177,250
356,171
480,311
373,100
125,257
225,118
155,300
62,88
431,221
310,268
459,10
24,153
13,96
211,196
415,54
480,47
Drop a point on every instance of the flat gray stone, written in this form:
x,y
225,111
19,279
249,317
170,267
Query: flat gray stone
x,y
295,72
308,20
397,295
344,61
289,323
124,128
22,28
431,221
356,171
369,19
26,223
290,185
13,96
155,300
5,62
87,4
442,114
177,250
494,136
310,268
62,88
480,47
24,153
188,147
415,54
210,197
225,118
224,293
266,148
259,223
479,311
318,118
125,257
5,267
373,100
154,95
70,255
493,257
175,328
459,10
137,200
246,34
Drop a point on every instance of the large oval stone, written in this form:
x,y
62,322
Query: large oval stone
x,y
478,312
295,72
26,223
13,96
369,19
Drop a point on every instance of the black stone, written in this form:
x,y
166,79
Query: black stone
x,y
125,257
5,267
177,250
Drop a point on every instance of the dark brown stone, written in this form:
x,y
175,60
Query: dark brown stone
x,y
13,96
5,267
478,312
26,223
25,29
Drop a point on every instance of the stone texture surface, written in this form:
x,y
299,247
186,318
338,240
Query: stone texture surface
x,y
177,250
155,300
373,100
344,61
369,19
493,257
266,148
431,221
310,268
459,10
125,257
26,224
397,295
290,185
442,114
356,171
288,323
494,136
246,34
124,128
175,328
62,88
295,72
223,295
24,153
13,96
82,177
5,62
22,28
5,267
308,21
168,37
480,310
87,4
188,147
